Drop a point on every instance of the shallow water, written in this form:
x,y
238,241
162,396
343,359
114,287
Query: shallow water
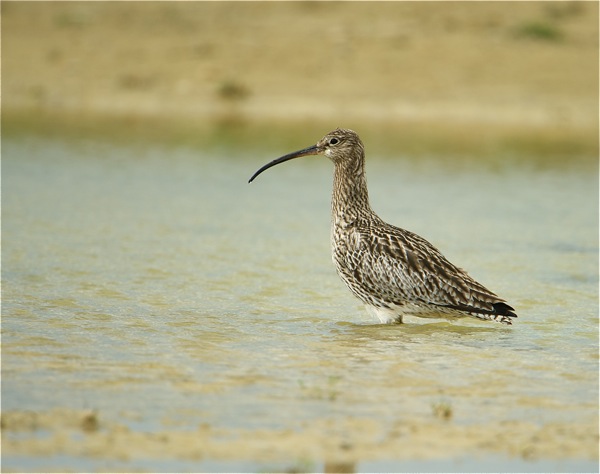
x,y
156,288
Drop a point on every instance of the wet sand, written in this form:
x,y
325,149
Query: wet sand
x,y
85,433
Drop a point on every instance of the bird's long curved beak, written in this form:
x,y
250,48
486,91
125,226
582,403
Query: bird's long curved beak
x,y
311,150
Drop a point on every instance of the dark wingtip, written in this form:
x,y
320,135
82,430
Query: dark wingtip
x,y
504,309
500,311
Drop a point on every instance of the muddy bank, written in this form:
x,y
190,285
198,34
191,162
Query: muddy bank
x,y
337,442
458,73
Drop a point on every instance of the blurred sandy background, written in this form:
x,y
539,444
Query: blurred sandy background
x,y
435,75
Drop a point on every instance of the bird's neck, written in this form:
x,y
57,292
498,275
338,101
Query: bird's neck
x,y
350,198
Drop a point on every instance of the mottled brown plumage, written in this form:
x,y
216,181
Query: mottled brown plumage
x,y
393,271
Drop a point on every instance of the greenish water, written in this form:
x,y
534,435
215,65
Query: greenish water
x,y
158,288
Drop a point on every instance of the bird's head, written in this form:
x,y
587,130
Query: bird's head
x,y
339,146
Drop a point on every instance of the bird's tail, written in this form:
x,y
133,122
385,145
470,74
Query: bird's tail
x,y
500,312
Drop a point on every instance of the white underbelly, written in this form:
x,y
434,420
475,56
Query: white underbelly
x,y
396,313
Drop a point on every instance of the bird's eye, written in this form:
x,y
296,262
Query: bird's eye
x,y
333,141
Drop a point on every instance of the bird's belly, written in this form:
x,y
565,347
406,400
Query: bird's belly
x,y
396,313
385,315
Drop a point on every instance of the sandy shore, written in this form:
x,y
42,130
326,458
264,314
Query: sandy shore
x,y
482,72
340,444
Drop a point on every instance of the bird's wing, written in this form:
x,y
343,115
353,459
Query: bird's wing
x,y
407,267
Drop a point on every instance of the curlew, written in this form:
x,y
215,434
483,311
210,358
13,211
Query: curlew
x,y
395,272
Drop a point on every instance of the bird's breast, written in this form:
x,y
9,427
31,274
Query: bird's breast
x,y
346,243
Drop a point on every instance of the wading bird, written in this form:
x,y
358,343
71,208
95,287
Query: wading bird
x,y
393,271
